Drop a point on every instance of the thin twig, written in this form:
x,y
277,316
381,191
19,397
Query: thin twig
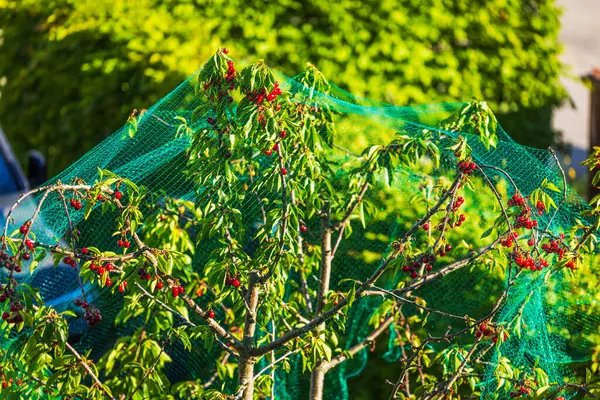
x,y
91,373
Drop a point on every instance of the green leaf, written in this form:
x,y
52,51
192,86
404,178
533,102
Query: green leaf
x,y
488,232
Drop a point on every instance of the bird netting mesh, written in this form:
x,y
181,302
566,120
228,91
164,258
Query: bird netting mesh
x,y
547,314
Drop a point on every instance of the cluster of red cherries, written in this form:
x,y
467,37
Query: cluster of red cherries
x,y
467,167
423,259
76,204
100,270
13,316
92,315
17,382
261,95
523,220
524,260
275,148
523,391
486,331
123,243
229,77
28,244
508,242
8,262
70,261
461,218
458,203
540,207
232,281
554,247
526,391
146,276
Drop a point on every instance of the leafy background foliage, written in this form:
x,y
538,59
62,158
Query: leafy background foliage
x,y
72,71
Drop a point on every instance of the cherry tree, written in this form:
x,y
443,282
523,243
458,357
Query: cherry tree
x,y
272,209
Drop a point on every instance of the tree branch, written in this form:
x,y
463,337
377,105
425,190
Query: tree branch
x,y
89,370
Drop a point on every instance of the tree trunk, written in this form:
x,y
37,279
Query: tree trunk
x,y
246,377
317,383
325,275
317,378
246,363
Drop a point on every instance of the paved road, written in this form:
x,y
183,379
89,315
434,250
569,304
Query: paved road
x,y
581,38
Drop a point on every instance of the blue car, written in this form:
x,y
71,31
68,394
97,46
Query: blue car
x,y
13,183
12,179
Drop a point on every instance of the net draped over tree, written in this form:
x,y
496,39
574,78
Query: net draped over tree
x,y
226,242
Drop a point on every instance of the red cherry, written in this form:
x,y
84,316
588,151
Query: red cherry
x,y
211,314
121,287
268,152
118,195
108,282
99,197
284,171
426,226
181,290
23,229
478,334
126,244
282,134
159,285
5,315
303,228
276,147
110,267
414,274
225,50
29,244
530,242
235,282
429,267
120,243
26,256
175,291
85,251
101,270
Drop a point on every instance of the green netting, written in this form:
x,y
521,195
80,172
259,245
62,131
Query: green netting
x,y
555,329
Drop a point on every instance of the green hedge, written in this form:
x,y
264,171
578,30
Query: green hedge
x,y
72,70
